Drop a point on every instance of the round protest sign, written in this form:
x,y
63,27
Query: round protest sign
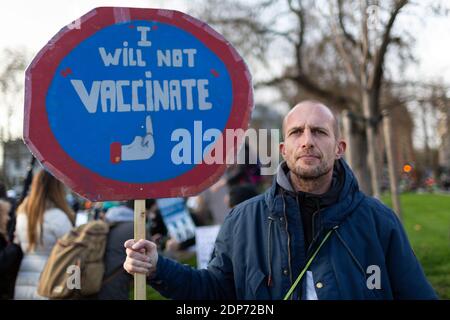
x,y
129,103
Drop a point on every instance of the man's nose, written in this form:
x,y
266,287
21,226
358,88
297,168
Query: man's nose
x,y
307,141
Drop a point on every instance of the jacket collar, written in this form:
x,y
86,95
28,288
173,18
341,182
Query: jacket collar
x,y
335,213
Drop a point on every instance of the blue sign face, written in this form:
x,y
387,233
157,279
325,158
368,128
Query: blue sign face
x,y
125,100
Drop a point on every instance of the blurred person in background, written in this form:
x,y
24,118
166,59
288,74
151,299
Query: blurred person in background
x,y
241,193
116,282
42,218
10,255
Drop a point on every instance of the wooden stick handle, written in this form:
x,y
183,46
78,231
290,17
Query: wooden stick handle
x,y
140,283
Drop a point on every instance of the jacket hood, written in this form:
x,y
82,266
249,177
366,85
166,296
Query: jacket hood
x,y
309,199
347,199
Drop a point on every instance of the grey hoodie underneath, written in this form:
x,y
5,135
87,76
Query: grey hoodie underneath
x,y
311,204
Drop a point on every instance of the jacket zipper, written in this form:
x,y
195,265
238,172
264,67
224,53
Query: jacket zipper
x,y
313,233
269,252
288,242
304,236
313,226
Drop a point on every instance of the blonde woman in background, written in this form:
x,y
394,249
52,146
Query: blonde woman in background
x,y
42,218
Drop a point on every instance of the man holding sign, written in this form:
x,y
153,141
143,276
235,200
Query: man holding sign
x,y
312,235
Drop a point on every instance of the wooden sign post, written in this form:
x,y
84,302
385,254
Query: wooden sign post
x,y
139,233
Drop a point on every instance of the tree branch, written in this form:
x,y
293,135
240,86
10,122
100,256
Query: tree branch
x,y
347,35
339,41
299,44
311,87
255,27
364,46
375,79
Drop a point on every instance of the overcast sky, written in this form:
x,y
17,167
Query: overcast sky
x,y
31,24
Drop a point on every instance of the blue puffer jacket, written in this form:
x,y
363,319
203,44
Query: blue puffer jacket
x,y
260,251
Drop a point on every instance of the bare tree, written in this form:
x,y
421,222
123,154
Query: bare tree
x,y
14,62
364,59
327,50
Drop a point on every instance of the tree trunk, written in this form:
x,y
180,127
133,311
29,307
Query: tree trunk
x,y
426,144
390,151
356,146
372,153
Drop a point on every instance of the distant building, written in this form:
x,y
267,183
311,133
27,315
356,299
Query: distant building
x,y
14,160
264,117
402,134
444,134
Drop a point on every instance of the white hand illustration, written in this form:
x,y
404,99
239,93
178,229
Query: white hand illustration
x,y
142,148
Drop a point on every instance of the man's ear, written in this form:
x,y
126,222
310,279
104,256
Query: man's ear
x,y
341,146
282,149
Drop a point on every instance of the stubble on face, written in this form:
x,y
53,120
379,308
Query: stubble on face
x,y
313,172
310,163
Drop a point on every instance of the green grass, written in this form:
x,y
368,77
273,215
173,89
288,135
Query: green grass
x,y
426,218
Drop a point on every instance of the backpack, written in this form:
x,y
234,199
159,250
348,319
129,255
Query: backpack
x,y
78,253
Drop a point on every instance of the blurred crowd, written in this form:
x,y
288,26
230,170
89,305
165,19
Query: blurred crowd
x,y
32,223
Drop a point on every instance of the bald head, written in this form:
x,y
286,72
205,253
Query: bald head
x,y
308,107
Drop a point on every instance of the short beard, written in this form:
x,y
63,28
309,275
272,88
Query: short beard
x,y
313,174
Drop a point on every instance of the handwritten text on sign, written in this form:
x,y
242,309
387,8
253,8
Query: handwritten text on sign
x,y
127,97
159,95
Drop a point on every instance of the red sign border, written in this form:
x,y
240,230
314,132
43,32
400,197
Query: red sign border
x,y
43,144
